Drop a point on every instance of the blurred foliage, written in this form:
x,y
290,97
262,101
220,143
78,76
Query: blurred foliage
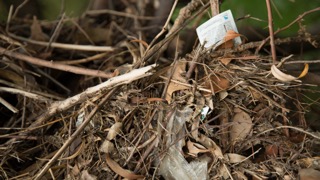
x,y
44,9
52,8
284,12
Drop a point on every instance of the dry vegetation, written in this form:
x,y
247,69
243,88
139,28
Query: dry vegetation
x,y
93,98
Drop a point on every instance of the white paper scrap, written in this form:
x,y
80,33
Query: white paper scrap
x,y
212,32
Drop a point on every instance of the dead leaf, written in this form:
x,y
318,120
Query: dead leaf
x,y
216,82
120,171
228,39
195,148
242,125
230,35
234,158
281,75
305,71
86,176
107,147
211,145
36,31
272,150
180,69
309,174
286,77
114,130
308,162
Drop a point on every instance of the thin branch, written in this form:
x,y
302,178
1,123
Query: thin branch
x,y
73,136
165,26
286,27
291,127
53,65
60,106
65,46
23,93
214,4
270,22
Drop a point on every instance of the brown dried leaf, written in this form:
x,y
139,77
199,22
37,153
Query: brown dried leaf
x,y
36,31
242,125
230,35
228,39
114,130
211,145
180,68
195,148
218,84
272,150
309,174
234,158
120,171
305,71
225,61
85,175
308,162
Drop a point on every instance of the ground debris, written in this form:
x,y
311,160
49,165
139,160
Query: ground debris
x,y
123,113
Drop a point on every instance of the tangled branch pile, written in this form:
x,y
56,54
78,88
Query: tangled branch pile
x,y
207,114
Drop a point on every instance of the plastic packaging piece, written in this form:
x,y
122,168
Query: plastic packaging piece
x,y
212,32
175,167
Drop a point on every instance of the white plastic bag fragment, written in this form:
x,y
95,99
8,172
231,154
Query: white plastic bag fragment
x,y
212,32
175,167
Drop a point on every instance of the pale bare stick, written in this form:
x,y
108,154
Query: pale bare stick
x,y
291,127
214,4
65,46
83,60
24,93
60,106
54,65
270,24
8,105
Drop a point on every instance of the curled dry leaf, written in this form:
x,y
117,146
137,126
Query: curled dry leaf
x,y
281,75
211,145
195,148
114,130
120,171
241,125
305,71
286,77
234,158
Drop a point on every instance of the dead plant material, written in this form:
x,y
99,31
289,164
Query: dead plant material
x,y
222,114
